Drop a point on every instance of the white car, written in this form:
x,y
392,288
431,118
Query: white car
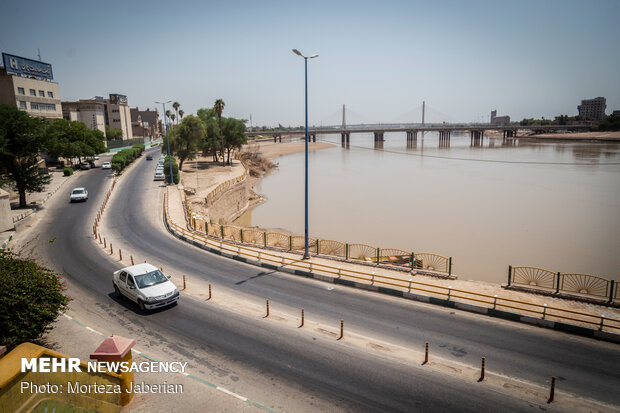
x,y
145,285
78,194
159,176
96,157
106,165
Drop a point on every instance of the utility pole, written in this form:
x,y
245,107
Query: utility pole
x,y
344,123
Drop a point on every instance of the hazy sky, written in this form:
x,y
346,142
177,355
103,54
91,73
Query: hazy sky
x,y
380,58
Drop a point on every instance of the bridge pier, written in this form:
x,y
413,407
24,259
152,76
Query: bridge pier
x,y
344,137
477,137
378,144
312,137
444,138
379,136
276,138
412,135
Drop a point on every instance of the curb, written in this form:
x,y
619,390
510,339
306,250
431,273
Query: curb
x,y
472,308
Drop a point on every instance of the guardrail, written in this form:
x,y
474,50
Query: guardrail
x,y
584,285
349,276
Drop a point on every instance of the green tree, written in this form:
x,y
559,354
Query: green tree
x,y
181,113
32,298
219,108
22,139
73,139
113,134
234,135
168,113
173,117
176,106
186,138
211,140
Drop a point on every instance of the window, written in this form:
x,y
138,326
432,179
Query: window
x,y
50,94
21,91
34,106
41,93
33,92
130,281
22,105
122,276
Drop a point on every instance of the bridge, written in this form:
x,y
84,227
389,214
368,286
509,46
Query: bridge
x,y
476,130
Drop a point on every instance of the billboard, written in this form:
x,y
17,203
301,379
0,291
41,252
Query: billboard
x,y
27,67
117,99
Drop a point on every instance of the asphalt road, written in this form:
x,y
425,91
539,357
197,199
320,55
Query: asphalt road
x,y
307,371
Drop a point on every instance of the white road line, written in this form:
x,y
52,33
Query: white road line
x,y
223,390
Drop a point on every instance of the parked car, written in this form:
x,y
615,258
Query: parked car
x,y
149,157
78,194
106,165
96,157
91,163
85,165
145,285
159,176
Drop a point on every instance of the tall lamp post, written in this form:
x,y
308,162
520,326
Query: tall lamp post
x,y
297,52
168,141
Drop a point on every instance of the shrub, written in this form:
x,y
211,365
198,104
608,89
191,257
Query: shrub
x,y
32,297
175,170
67,172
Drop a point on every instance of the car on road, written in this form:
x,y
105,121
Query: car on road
x,y
96,157
106,165
145,285
78,194
149,157
159,176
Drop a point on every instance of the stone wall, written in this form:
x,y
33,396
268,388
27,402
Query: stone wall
x,y
230,203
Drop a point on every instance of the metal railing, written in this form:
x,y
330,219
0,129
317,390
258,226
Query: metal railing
x,y
406,285
586,285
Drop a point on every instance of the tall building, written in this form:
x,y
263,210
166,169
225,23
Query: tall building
x,y
593,108
118,114
499,120
28,84
89,112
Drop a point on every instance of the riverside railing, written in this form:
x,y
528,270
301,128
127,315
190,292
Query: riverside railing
x,y
585,285
492,302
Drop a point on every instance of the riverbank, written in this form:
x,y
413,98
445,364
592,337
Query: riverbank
x,y
578,136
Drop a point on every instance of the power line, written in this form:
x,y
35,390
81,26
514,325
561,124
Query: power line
x,y
479,160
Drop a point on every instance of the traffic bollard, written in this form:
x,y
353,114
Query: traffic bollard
x,y
209,291
111,249
552,392
120,254
426,353
131,259
341,330
302,318
267,309
104,244
482,371
184,285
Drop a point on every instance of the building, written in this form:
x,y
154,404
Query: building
x,y
499,120
593,109
145,123
28,84
118,114
89,112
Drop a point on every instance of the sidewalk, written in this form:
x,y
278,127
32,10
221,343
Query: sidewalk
x,y
197,394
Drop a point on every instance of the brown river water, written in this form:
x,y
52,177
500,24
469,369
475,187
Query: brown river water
x,y
554,205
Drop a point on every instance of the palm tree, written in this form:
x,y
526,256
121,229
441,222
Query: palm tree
x,y
176,106
219,108
168,114
173,117
181,113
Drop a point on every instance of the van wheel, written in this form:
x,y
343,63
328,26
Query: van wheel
x,y
141,305
117,291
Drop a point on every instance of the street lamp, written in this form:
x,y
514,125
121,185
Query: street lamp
x,y
298,53
168,141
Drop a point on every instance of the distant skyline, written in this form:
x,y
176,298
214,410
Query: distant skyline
x,y
381,59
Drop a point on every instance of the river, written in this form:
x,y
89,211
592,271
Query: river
x,y
549,204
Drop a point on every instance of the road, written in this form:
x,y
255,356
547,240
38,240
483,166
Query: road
x,y
295,369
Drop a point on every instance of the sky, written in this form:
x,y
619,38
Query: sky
x,y
379,58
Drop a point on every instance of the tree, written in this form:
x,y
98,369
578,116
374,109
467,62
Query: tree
x,y
234,135
219,108
113,134
211,141
176,106
186,138
168,113
173,117
32,298
73,139
181,113
22,139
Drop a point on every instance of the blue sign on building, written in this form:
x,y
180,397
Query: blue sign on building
x,y
27,67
